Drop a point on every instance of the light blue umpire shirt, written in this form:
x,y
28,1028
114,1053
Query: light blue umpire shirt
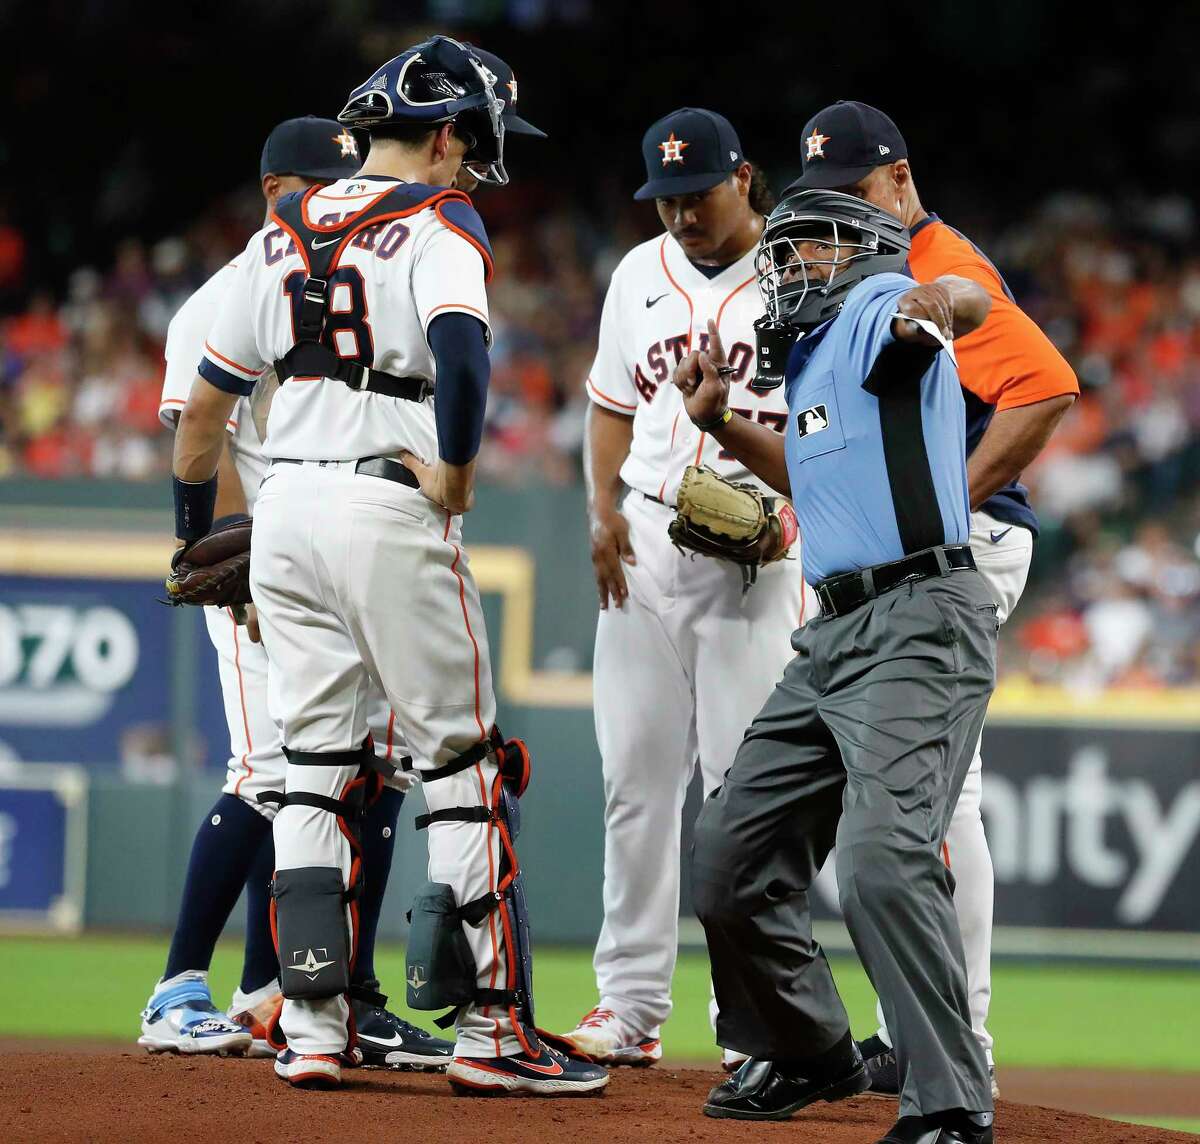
x,y
876,439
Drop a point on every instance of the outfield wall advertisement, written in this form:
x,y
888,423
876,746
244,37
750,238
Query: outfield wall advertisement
x,y
1092,810
1090,828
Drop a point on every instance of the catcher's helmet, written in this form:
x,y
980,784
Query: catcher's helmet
x,y
862,240
437,81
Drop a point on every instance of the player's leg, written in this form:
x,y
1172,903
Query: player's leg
x,y
743,646
427,646
383,1038
319,693
644,706
1004,566
761,838
180,1015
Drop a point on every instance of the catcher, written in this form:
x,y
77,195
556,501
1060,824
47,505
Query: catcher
x,y
686,651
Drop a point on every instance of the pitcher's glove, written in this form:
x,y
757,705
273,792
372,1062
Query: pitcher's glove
x,y
214,569
732,521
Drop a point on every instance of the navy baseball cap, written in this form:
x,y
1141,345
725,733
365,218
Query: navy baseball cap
x,y
845,142
319,149
687,151
506,89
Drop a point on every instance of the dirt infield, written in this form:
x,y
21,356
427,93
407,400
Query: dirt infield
x,y
136,1097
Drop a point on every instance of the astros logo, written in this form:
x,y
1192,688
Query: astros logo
x,y
512,89
816,142
672,149
347,143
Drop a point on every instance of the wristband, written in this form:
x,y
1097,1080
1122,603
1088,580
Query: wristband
x,y
721,419
789,526
194,504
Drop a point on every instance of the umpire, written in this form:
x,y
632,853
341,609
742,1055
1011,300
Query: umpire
x,y
867,738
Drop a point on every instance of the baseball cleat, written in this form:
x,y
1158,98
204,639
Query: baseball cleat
x,y
257,1018
945,1128
388,1041
731,1060
609,1040
312,1070
180,1017
551,1073
767,1090
882,1070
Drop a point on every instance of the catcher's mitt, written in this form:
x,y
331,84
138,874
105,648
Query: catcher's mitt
x,y
214,569
731,521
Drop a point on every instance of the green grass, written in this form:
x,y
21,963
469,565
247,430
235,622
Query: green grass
x,y
1083,1016
1175,1123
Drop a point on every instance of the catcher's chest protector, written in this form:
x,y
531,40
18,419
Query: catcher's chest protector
x,y
321,246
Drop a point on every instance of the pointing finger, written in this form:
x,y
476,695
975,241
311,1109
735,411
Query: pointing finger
x,y
716,347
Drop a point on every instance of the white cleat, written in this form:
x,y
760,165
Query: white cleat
x,y
180,1017
609,1040
311,1070
254,1013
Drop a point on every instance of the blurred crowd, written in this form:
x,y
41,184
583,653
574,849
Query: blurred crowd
x,y
1116,589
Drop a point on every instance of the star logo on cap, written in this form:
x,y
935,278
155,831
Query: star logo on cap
x,y
672,149
512,88
816,144
348,144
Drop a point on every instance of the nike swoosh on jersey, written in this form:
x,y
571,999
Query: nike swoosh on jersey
x,y
654,301
996,537
553,1069
317,245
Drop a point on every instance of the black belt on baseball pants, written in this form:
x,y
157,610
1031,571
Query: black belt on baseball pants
x,y
384,467
849,590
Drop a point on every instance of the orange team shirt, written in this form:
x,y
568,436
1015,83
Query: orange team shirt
x,y
1008,361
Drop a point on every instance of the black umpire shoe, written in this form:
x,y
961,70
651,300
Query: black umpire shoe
x,y
882,1070
388,1041
945,1128
773,1090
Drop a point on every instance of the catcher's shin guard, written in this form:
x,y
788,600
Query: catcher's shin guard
x,y
434,918
314,913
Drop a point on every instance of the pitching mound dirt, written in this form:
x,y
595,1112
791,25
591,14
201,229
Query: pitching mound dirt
x,y
143,1099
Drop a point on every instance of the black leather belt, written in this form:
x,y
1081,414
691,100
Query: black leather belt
x,y
383,467
841,594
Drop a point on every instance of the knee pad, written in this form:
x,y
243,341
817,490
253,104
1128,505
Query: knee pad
x,y
507,900
308,905
440,968
311,935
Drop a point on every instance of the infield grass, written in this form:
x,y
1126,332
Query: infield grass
x,y
1082,1016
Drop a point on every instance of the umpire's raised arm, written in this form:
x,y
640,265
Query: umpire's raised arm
x,y
705,388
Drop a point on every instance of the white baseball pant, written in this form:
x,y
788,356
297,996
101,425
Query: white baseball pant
x,y
679,673
256,763
1004,564
358,577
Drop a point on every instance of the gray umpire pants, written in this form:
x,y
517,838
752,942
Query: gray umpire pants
x,y
865,743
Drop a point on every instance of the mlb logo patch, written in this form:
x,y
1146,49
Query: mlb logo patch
x,y
810,421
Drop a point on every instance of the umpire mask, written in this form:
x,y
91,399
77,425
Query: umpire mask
x,y
816,247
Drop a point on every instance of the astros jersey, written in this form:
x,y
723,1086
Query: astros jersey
x,y
391,281
1006,363
185,347
656,311
875,445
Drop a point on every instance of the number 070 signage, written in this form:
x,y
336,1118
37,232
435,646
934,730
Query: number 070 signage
x,y
81,667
